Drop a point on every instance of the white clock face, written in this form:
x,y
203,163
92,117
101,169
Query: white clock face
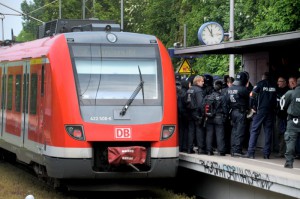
x,y
212,33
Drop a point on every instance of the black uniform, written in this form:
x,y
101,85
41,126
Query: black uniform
x,y
263,101
281,122
215,124
291,101
182,116
196,129
238,102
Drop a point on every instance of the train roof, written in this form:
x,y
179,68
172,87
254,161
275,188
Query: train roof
x,y
32,49
71,25
41,47
102,37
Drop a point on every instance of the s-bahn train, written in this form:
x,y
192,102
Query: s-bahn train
x,y
90,105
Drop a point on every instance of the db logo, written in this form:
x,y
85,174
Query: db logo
x,y
123,133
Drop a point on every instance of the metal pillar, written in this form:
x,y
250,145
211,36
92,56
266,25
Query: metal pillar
x,y
122,15
2,17
231,38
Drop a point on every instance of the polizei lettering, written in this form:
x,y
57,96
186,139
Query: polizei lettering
x,y
269,89
232,91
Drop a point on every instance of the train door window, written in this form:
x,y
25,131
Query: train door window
x,y
43,80
25,91
10,92
18,92
33,93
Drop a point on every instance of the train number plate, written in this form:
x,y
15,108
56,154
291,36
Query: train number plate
x,y
127,155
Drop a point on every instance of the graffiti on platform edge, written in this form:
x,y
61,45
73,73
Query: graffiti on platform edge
x,y
237,174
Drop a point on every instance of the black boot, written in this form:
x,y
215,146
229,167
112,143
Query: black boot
x,y
288,165
190,151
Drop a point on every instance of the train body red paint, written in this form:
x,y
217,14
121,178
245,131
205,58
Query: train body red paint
x,y
66,99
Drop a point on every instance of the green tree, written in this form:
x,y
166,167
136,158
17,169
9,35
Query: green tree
x,y
277,16
166,20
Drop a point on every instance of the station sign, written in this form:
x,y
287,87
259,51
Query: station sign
x,y
185,68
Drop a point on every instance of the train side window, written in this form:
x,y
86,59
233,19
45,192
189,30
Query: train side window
x,y
18,92
43,79
33,93
10,92
3,91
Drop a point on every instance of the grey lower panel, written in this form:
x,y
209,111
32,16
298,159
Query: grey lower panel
x,y
83,169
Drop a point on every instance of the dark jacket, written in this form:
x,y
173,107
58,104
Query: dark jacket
x,y
292,102
181,93
199,93
238,97
282,114
263,96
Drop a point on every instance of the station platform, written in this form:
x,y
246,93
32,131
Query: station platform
x,y
267,174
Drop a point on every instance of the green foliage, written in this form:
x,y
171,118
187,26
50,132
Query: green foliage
x,y
215,64
25,36
276,17
166,19
245,12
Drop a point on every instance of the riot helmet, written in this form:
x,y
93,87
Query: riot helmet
x,y
208,80
218,84
241,79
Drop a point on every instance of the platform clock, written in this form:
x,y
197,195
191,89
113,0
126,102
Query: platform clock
x,y
210,33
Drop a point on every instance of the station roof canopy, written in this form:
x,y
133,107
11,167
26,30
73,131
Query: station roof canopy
x,y
287,40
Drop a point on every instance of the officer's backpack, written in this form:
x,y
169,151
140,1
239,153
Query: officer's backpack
x,y
190,99
210,104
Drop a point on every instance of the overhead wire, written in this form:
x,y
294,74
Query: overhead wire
x,y
23,14
42,7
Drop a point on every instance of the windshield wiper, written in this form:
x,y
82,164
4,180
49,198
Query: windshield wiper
x,y
134,94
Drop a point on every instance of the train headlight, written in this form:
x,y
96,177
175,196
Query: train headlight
x,y
75,132
167,132
111,37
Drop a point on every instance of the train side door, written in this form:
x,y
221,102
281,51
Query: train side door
x,y
33,110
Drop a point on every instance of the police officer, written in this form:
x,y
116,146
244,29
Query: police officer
x,y
291,101
215,124
249,87
182,115
196,129
227,124
238,102
263,103
281,118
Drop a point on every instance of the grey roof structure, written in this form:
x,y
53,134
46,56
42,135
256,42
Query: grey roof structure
x,y
285,40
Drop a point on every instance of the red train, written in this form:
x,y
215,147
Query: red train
x,y
90,105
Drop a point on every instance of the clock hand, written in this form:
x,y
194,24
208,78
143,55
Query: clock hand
x,y
210,31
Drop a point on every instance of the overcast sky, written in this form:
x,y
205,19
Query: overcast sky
x,y
10,21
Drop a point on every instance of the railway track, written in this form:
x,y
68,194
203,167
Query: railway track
x,y
18,180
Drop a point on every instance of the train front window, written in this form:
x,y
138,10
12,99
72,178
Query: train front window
x,y
108,75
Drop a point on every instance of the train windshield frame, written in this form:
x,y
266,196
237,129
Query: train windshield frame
x,y
109,74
